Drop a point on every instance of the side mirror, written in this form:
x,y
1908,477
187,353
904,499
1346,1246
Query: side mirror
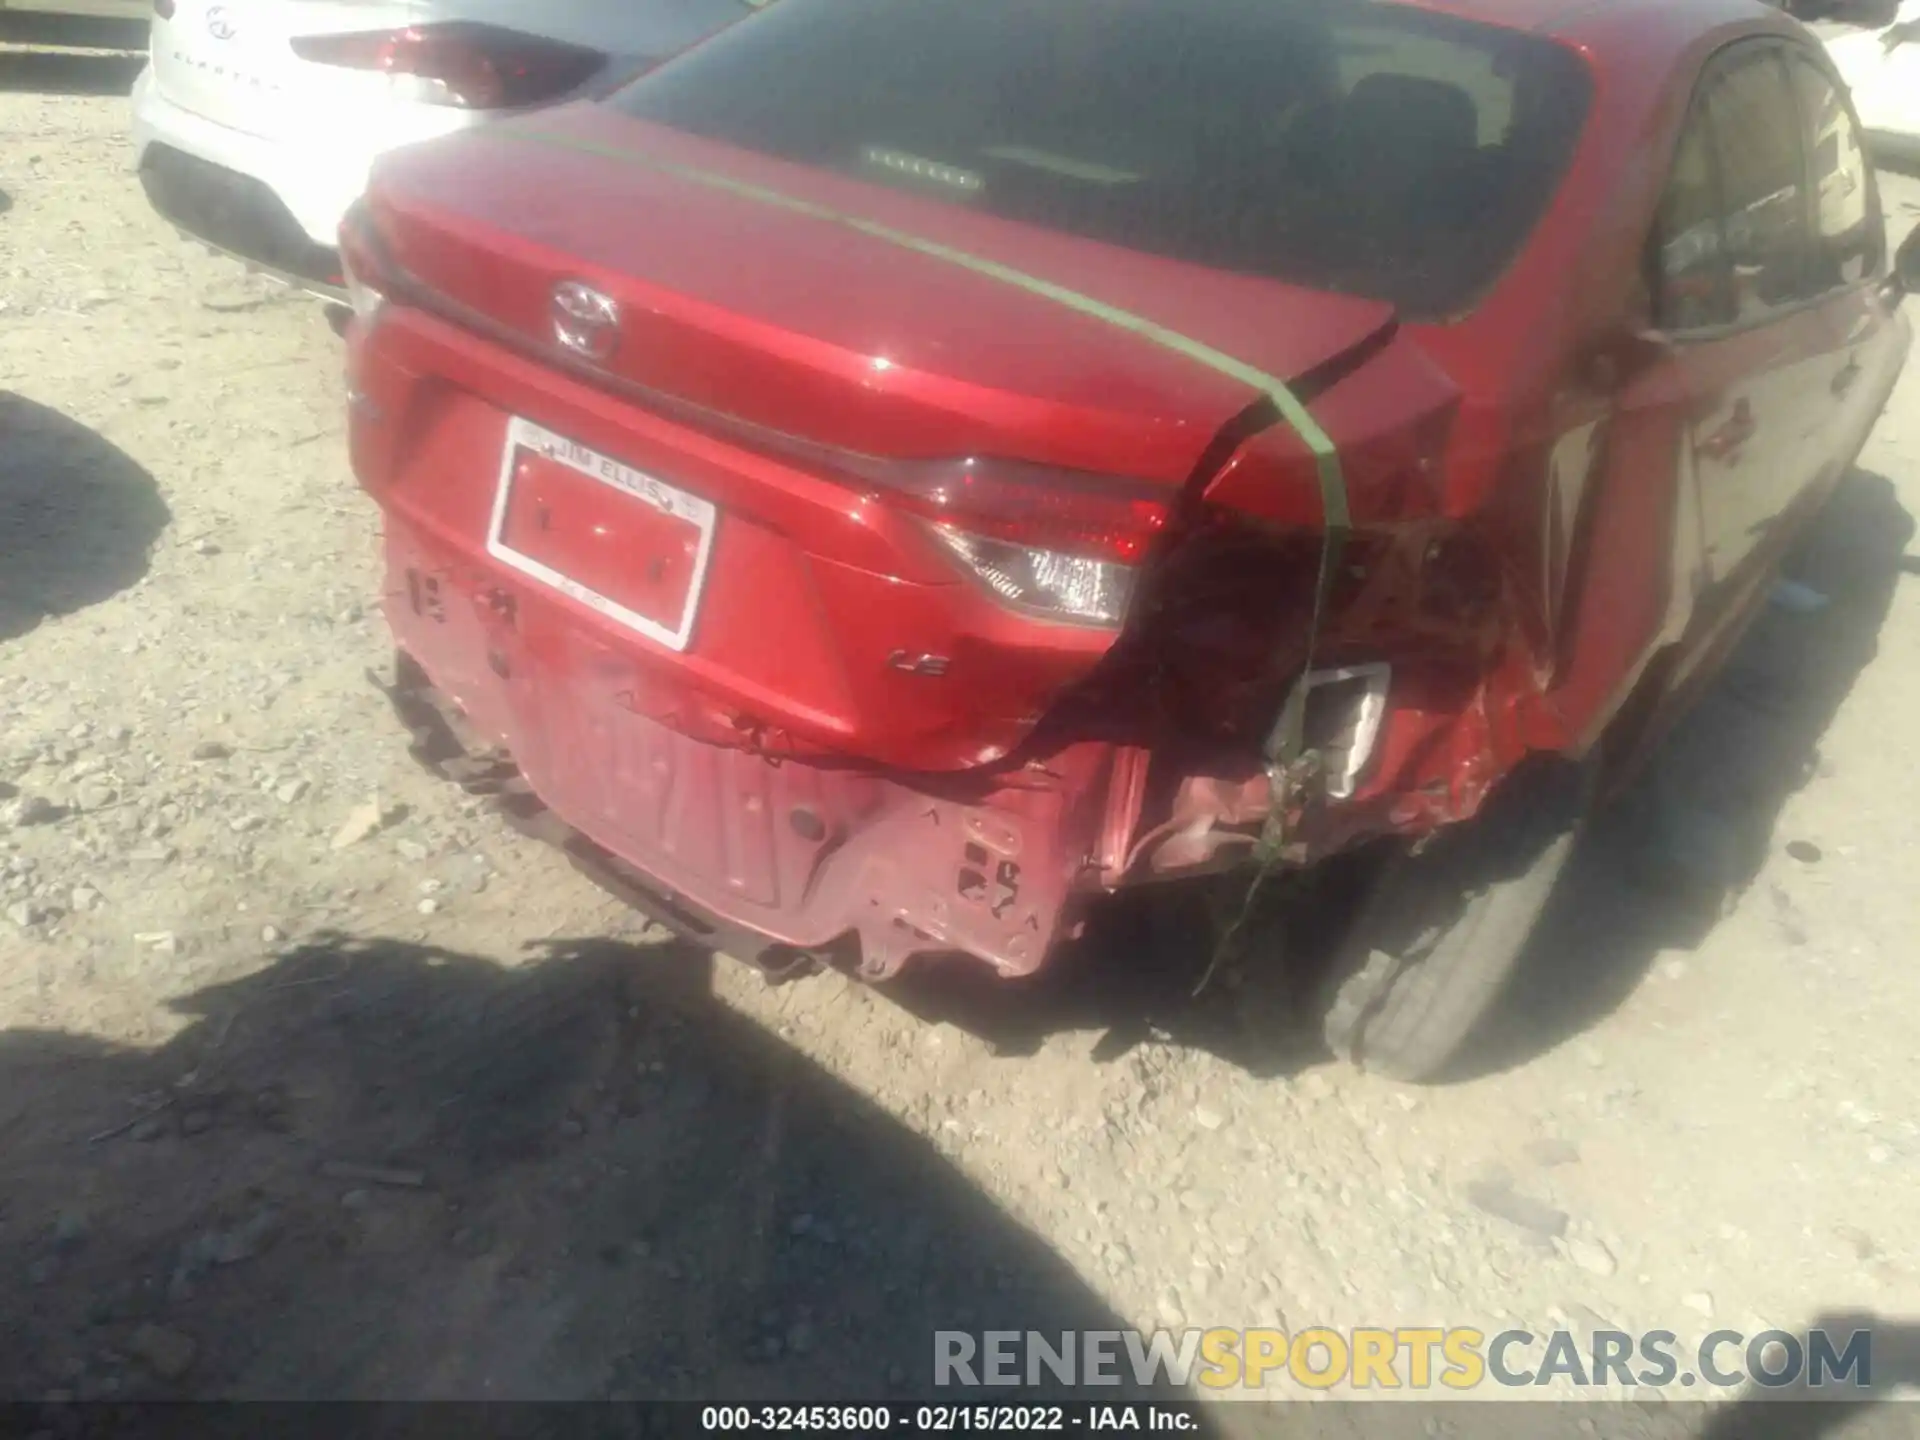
x,y
1905,279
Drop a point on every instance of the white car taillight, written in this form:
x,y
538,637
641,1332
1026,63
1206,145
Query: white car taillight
x,y
462,63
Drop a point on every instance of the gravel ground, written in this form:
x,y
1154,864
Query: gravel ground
x,y
247,951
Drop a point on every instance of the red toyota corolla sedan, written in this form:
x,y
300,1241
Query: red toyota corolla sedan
x,y
899,472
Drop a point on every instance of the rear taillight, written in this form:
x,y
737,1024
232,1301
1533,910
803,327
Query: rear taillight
x,y
1047,583
461,62
362,266
1057,544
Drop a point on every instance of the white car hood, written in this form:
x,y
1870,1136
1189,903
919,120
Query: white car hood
x,y
1881,66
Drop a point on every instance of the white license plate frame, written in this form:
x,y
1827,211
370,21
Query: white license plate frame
x,y
645,489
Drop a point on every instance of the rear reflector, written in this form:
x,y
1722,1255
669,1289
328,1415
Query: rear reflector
x,y
461,62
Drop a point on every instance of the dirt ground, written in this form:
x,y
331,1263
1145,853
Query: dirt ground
x,y
247,950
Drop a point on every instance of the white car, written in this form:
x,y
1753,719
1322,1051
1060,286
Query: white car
x,y
256,121
1881,66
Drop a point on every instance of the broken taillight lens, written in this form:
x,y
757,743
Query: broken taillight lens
x,y
461,63
1057,544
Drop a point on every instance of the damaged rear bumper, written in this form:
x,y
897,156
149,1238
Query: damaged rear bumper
x,y
765,857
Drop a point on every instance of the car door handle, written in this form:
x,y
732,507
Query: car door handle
x,y
1844,381
1731,436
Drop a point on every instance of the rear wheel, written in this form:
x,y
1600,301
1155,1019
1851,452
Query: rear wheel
x,y
1440,929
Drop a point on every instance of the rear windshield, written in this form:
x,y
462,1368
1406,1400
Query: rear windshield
x,y
1372,149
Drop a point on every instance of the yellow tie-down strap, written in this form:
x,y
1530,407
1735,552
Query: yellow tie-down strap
x,y
1287,738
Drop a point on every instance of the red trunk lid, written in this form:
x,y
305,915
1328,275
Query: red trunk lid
x,y
813,329
742,322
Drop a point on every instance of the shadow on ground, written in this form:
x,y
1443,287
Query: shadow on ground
x,y
587,1180
74,64
1656,872
78,516
59,72
1798,1412
378,1170
1661,867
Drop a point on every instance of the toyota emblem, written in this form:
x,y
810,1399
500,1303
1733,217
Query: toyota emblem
x,y
584,320
220,23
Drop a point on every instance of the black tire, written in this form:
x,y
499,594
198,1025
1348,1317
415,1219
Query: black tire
x,y
1442,927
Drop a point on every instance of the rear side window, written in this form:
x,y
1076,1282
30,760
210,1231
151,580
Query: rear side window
x,y
1376,150
1696,283
1741,236
1756,124
1848,237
